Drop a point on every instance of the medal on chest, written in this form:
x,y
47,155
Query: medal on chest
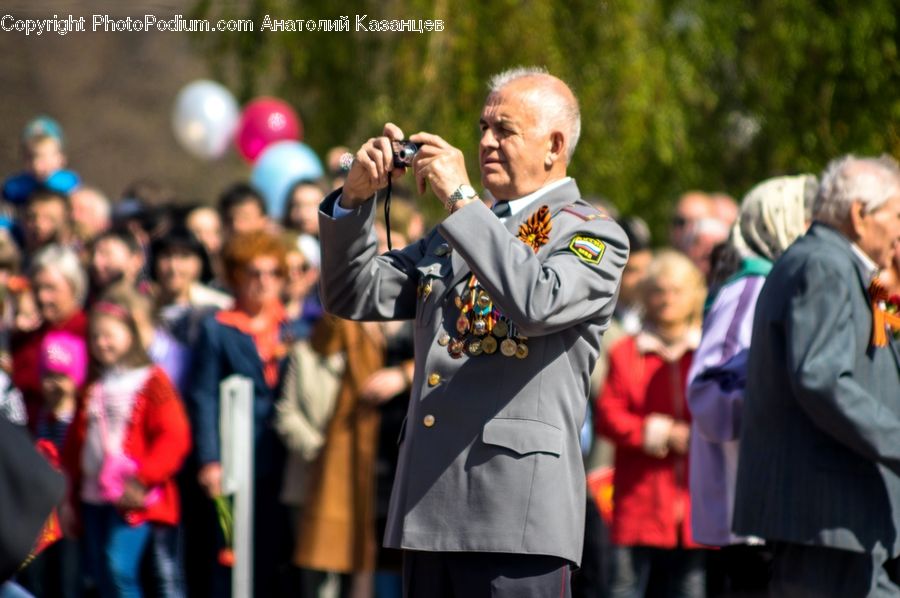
x,y
481,327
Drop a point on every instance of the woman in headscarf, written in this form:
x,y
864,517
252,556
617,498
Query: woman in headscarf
x,y
772,216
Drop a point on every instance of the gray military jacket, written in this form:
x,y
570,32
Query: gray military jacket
x,y
490,458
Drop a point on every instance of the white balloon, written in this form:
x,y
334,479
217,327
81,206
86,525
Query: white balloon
x,y
205,118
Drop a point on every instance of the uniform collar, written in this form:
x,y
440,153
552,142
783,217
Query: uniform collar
x,y
555,196
516,206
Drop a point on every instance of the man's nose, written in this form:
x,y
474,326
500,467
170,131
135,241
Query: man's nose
x,y
488,139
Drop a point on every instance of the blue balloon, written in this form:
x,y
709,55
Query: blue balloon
x,y
18,188
280,166
63,181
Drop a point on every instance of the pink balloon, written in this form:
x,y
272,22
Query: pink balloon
x,y
263,122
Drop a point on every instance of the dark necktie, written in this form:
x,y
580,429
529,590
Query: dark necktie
x,y
501,209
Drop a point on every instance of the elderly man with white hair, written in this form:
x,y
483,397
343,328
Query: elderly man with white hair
x,y
509,308
819,465
91,212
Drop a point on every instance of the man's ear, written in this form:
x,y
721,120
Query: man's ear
x,y
557,148
857,223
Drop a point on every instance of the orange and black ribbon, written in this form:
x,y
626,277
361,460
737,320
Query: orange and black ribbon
x,y
535,232
881,319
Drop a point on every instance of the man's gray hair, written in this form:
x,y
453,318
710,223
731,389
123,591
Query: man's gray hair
x,y
100,203
870,181
65,261
558,109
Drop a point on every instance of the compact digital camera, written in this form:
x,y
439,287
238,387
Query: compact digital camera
x,y
404,152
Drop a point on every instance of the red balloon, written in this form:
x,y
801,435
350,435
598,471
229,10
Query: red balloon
x,y
263,122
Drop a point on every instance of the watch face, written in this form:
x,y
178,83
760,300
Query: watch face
x,y
466,191
462,192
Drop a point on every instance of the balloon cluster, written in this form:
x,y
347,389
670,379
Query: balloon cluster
x,y
267,133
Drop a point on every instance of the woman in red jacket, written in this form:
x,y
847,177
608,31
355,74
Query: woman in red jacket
x,y
128,439
643,411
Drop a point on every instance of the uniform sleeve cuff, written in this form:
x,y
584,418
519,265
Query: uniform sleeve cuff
x,y
339,211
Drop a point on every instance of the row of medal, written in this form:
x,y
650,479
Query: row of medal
x,y
482,328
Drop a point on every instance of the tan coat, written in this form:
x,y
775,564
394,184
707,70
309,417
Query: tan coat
x,y
337,524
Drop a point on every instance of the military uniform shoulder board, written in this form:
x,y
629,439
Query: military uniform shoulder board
x,y
587,213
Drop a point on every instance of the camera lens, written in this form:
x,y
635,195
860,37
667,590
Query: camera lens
x,y
404,152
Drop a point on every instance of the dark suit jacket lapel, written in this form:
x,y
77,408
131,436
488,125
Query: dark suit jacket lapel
x,y
555,200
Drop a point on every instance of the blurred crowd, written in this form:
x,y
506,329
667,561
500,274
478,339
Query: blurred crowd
x,y
122,314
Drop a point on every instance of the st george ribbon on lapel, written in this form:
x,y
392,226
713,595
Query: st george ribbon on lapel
x,y
881,319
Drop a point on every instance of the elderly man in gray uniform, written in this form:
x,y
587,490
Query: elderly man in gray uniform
x,y
509,308
819,464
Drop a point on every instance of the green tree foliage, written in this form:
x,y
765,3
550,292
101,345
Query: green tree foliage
x,y
675,95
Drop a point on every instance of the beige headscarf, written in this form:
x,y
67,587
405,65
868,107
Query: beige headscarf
x,y
772,216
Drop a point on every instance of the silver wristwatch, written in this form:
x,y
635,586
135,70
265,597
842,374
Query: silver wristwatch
x,y
462,192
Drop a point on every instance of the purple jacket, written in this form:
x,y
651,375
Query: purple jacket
x,y
715,395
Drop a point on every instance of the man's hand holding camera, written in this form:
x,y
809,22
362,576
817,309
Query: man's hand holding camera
x,y
372,165
442,166
436,163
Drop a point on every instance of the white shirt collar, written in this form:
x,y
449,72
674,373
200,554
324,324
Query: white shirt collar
x,y
870,266
518,205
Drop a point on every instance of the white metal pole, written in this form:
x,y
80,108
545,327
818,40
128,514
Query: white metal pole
x,y
236,432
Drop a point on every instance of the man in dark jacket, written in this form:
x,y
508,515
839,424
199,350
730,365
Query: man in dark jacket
x,y
819,466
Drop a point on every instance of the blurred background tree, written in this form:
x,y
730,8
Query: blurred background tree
x,y
675,94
